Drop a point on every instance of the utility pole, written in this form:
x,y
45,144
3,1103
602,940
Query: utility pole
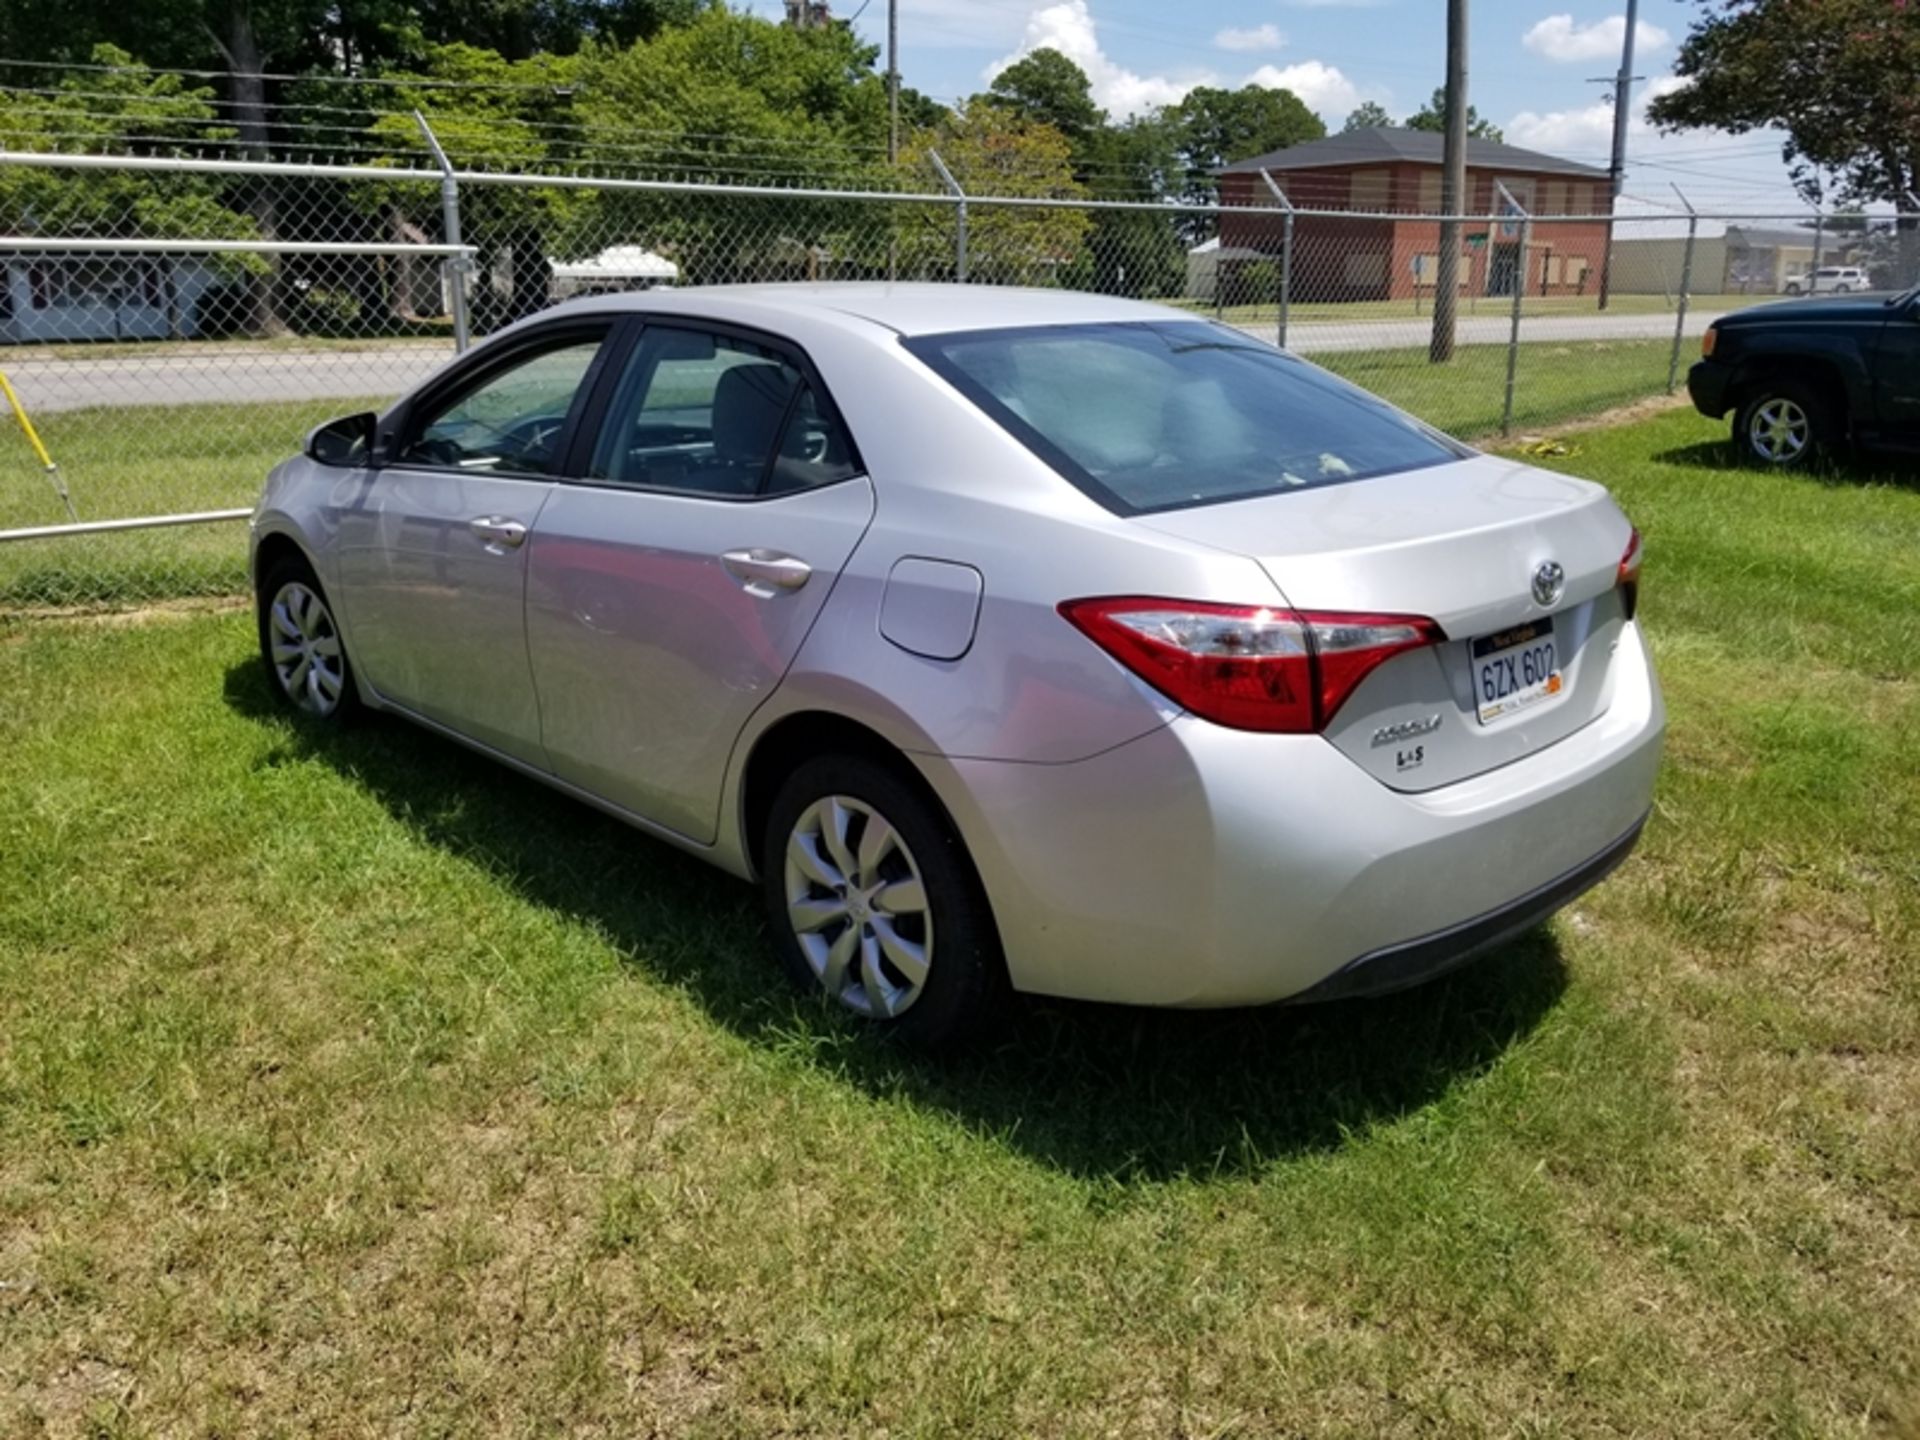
x,y
1617,168
1453,188
893,82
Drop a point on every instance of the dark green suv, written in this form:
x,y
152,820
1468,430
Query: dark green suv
x,y
1804,375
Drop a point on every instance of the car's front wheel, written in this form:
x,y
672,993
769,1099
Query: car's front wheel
x,y
1781,424
872,899
300,643
1792,288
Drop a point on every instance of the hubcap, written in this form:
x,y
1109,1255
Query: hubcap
x,y
305,648
858,906
1779,431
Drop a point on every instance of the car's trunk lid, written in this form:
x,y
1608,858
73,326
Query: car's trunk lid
x,y
1459,543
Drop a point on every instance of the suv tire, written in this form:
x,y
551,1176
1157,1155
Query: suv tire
x,y
1782,424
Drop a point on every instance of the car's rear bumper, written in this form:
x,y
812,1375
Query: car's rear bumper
x,y
1202,866
1709,385
1414,962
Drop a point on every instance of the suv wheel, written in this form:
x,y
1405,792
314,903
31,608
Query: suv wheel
x,y
1781,424
1793,287
872,899
300,644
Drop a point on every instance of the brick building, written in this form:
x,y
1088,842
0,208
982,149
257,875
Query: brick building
x,y
1394,174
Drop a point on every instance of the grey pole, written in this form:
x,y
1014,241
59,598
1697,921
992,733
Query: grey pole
x,y
1513,207
1617,168
1286,257
450,222
1453,188
959,214
893,82
1819,233
1686,285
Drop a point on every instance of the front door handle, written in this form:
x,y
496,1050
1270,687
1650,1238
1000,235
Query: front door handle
x,y
766,573
498,533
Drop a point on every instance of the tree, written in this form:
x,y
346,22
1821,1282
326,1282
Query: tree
x,y
1133,252
1433,116
1368,117
1837,76
1046,88
1215,127
993,151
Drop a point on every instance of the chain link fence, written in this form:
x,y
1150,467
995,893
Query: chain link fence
x,y
154,382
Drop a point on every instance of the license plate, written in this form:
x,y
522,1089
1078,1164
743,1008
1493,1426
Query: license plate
x,y
1515,670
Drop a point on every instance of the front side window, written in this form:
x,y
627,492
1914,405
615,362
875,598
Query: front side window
x,y
511,422
1148,417
708,414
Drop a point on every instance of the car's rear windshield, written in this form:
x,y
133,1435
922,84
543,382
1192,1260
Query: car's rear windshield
x,y
1160,416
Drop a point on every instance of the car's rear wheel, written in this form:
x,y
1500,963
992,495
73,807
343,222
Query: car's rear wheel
x,y
1781,424
872,900
301,645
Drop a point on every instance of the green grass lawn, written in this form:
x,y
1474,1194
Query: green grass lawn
x,y
353,1086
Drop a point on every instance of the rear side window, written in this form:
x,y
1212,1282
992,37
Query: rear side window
x,y
704,413
1147,417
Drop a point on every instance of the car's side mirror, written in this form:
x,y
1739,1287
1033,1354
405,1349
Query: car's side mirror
x,y
344,442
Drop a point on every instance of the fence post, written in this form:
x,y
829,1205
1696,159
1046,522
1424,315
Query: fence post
x,y
959,215
1686,287
1510,207
1286,257
450,222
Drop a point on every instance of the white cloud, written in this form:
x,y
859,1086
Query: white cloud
x,y
1587,132
1257,37
1558,38
1718,172
1334,4
1325,88
1068,27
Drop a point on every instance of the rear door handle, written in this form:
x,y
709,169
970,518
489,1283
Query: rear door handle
x,y
766,573
498,533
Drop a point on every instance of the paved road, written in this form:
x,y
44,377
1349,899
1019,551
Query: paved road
x,y
237,375
222,376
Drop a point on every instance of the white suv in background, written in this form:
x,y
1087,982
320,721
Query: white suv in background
x,y
1830,280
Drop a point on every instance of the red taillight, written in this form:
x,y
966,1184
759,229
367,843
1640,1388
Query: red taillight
x,y
1252,667
1628,576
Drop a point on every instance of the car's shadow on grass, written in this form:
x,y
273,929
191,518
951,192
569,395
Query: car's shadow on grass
x,y
1842,469
1097,1091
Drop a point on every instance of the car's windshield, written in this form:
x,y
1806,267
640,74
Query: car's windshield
x,y
1159,416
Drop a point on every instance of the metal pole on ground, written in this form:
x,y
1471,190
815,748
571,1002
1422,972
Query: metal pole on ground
x,y
1686,285
1453,188
33,438
1286,257
450,222
959,214
1513,207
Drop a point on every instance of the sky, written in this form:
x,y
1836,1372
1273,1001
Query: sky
x,y
1531,69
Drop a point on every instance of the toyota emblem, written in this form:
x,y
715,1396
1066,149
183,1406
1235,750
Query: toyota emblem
x,y
1548,581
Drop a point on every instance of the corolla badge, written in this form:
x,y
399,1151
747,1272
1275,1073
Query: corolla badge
x,y
1549,579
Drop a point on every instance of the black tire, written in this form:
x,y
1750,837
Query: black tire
x,y
964,986
1793,289
328,694
1783,424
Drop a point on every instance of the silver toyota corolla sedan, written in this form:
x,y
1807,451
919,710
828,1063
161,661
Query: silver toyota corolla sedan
x,y
1005,638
